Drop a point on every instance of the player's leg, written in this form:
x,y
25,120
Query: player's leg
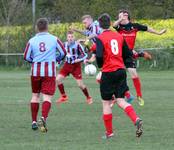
x,y
77,74
34,103
144,54
107,90
129,110
107,119
46,106
137,84
84,89
48,88
65,70
59,81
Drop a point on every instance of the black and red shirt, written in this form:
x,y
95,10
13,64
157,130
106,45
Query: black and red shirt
x,y
111,51
129,32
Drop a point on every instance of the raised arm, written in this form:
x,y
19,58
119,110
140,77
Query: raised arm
x,y
151,30
77,30
117,22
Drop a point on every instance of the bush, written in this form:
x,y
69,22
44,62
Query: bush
x,y
13,39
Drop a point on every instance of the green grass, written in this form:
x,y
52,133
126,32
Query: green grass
x,y
77,126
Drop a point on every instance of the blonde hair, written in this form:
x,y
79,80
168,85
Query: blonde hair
x,y
86,16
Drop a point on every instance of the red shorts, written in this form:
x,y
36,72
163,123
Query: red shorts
x,y
74,69
45,85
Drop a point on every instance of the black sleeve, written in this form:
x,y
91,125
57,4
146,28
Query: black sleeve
x,y
140,27
99,52
117,28
127,54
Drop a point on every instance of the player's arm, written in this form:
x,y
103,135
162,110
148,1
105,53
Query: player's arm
x,y
141,27
61,50
83,32
28,53
126,53
118,21
82,55
99,52
151,30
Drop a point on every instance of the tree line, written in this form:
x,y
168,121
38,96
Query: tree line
x,y
18,12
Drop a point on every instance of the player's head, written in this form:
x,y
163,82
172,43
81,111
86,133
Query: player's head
x,y
104,21
87,20
42,25
70,37
125,13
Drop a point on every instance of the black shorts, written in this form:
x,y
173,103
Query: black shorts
x,y
131,64
113,83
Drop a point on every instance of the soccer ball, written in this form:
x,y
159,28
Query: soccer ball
x,y
90,69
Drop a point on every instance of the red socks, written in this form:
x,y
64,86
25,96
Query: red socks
x,y
127,94
108,123
131,113
61,89
137,85
85,92
34,111
45,109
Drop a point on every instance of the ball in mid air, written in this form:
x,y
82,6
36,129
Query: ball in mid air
x,y
90,69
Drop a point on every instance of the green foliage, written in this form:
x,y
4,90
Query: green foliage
x,y
17,37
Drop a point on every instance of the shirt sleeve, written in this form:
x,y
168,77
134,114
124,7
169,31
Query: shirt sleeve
x,y
140,27
85,32
60,51
82,54
117,28
99,52
28,53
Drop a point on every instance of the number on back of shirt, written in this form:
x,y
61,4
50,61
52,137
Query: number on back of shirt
x,y
114,47
42,47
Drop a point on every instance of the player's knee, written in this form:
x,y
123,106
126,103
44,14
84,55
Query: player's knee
x,y
81,85
133,73
59,80
106,107
47,98
122,103
35,99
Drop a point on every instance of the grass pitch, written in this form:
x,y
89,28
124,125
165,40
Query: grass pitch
x,y
78,126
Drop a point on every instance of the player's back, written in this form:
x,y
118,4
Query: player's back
x,y
43,47
112,54
41,51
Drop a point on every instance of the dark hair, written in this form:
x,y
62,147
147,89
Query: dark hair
x,y
104,21
42,24
70,32
125,11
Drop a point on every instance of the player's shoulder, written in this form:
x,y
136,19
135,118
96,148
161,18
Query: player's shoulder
x,y
136,25
53,36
